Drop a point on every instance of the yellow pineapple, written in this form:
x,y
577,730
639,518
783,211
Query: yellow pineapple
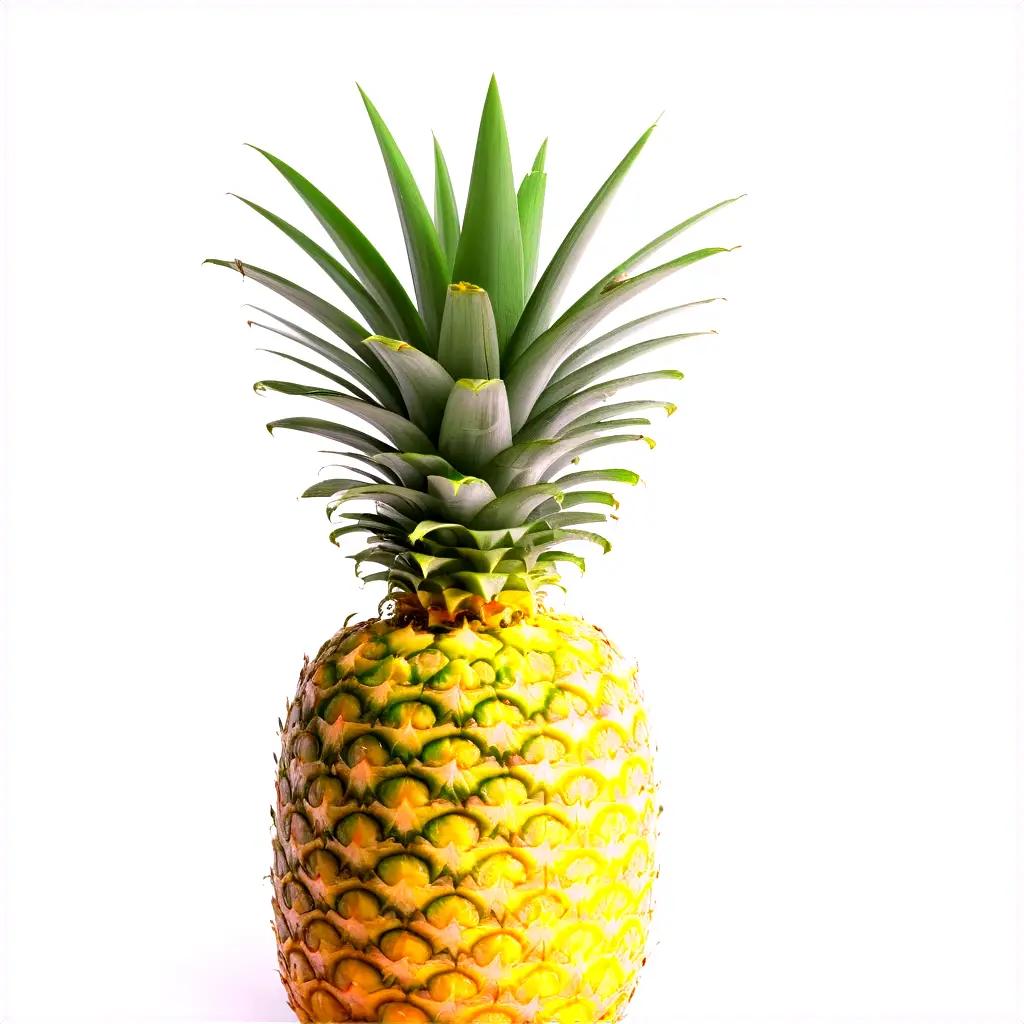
x,y
465,804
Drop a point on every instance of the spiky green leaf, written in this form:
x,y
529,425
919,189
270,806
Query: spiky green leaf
x,y
426,260
530,200
367,305
378,383
446,209
362,257
544,300
403,434
475,426
490,252
468,346
422,381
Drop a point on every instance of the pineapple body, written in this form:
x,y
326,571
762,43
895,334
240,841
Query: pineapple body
x,y
464,824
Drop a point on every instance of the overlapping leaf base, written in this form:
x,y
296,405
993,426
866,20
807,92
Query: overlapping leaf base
x,y
465,825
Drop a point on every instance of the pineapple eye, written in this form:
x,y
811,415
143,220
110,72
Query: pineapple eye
x,y
297,898
446,909
359,904
547,905
464,752
306,747
541,666
492,1017
544,828
503,790
580,939
400,1013
503,945
491,712
322,865
450,986
298,967
321,937
367,748
410,712
324,789
403,789
498,868
579,1011
484,672
455,828
541,982
357,974
613,823
359,829
579,868
403,867
543,748
401,943
325,1006
426,664
299,829
605,976
326,674
342,706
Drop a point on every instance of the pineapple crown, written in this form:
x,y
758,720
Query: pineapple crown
x,y
482,397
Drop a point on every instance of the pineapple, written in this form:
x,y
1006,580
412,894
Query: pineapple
x,y
465,805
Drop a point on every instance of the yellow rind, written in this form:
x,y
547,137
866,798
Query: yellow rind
x,y
465,820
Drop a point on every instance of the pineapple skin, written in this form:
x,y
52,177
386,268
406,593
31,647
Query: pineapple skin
x,y
464,825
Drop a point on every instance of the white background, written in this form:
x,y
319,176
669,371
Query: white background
x,y
817,577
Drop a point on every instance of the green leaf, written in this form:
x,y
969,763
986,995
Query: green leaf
x,y
664,238
328,488
574,498
379,384
594,348
340,381
531,373
404,500
376,475
338,273
605,412
334,431
530,201
343,531
468,346
426,261
592,476
576,381
545,538
514,506
475,426
403,434
362,257
371,462
554,419
490,252
563,556
545,297
461,497
446,209
415,467
521,464
390,525
350,331
423,382
588,446
561,520
596,427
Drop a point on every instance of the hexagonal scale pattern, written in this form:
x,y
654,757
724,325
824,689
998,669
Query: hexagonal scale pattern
x,y
465,821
